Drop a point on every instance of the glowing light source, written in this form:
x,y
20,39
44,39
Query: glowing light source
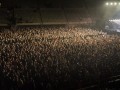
x,y
114,20
115,3
111,3
107,3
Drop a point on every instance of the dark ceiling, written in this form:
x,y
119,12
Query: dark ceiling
x,y
52,3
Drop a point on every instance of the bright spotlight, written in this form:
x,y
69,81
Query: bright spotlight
x,y
111,3
115,3
107,3
119,3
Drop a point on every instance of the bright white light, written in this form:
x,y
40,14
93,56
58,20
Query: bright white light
x,y
107,3
111,3
114,20
115,3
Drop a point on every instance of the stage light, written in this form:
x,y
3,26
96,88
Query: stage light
x,y
115,3
111,3
107,3
118,3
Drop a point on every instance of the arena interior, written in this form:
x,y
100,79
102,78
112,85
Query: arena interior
x,y
59,45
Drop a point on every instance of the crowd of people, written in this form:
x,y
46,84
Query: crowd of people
x,y
57,57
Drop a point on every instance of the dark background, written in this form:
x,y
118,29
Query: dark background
x,y
51,3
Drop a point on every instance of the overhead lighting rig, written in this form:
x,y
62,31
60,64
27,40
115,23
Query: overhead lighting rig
x,y
112,3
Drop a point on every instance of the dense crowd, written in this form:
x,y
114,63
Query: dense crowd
x,y
57,57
